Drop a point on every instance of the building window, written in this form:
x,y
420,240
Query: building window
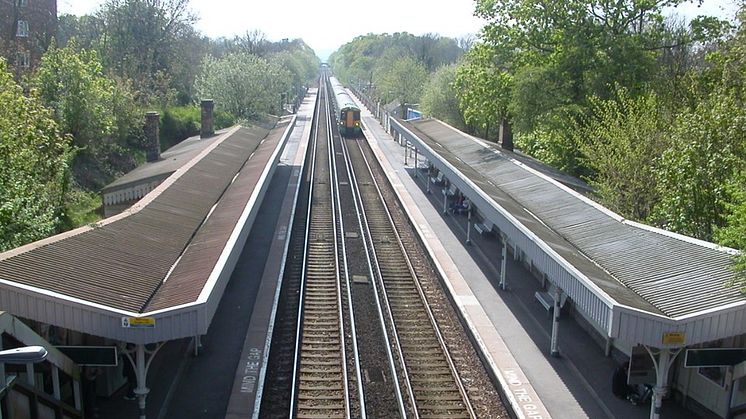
x,y
22,28
23,59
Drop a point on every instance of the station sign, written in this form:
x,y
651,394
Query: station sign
x,y
96,356
714,357
138,322
674,338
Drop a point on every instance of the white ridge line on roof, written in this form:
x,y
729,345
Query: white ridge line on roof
x,y
224,255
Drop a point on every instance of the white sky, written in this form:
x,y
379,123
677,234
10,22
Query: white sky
x,y
346,20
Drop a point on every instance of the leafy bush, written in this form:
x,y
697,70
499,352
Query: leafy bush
x,y
181,122
81,208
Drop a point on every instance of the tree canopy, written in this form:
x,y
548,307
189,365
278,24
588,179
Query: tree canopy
x,y
33,166
393,66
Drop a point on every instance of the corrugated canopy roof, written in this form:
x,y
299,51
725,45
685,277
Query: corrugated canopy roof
x,y
170,161
674,274
160,252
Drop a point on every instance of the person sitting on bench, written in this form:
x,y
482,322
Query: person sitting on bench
x,y
463,207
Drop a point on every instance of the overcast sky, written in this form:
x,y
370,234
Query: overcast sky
x,y
345,20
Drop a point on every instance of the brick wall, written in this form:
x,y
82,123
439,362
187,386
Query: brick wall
x,y
26,29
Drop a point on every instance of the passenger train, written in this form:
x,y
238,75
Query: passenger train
x,y
348,114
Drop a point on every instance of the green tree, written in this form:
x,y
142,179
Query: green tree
x,y
301,63
403,81
484,87
98,112
562,54
734,233
33,161
620,142
439,97
246,85
150,42
363,61
706,152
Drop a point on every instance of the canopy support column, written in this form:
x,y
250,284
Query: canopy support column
x,y
554,349
503,262
141,363
662,366
468,227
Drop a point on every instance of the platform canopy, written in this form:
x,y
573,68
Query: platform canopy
x,y
633,282
157,271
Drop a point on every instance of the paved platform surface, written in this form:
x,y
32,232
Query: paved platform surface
x,y
575,385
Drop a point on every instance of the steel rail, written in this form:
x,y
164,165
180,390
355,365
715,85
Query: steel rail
x,y
299,324
320,361
421,293
353,328
374,270
382,306
337,220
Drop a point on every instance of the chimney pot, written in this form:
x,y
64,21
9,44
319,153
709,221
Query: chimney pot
x,y
153,145
207,130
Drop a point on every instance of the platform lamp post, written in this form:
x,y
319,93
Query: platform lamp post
x,y
28,355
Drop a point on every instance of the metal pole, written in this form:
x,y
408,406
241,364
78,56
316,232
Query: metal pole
x,y
406,150
503,264
30,378
141,391
468,227
415,159
77,399
3,383
56,382
445,200
554,351
661,375
197,345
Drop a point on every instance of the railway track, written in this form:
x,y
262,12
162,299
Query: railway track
x,y
320,374
405,367
430,377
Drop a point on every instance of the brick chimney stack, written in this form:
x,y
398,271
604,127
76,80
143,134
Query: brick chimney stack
x,y
153,145
506,135
208,129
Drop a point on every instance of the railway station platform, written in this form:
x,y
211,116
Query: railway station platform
x,y
176,275
513,325
222,380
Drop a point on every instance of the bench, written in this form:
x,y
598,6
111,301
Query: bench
x,y
450,191
544,299
484,228
437,179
